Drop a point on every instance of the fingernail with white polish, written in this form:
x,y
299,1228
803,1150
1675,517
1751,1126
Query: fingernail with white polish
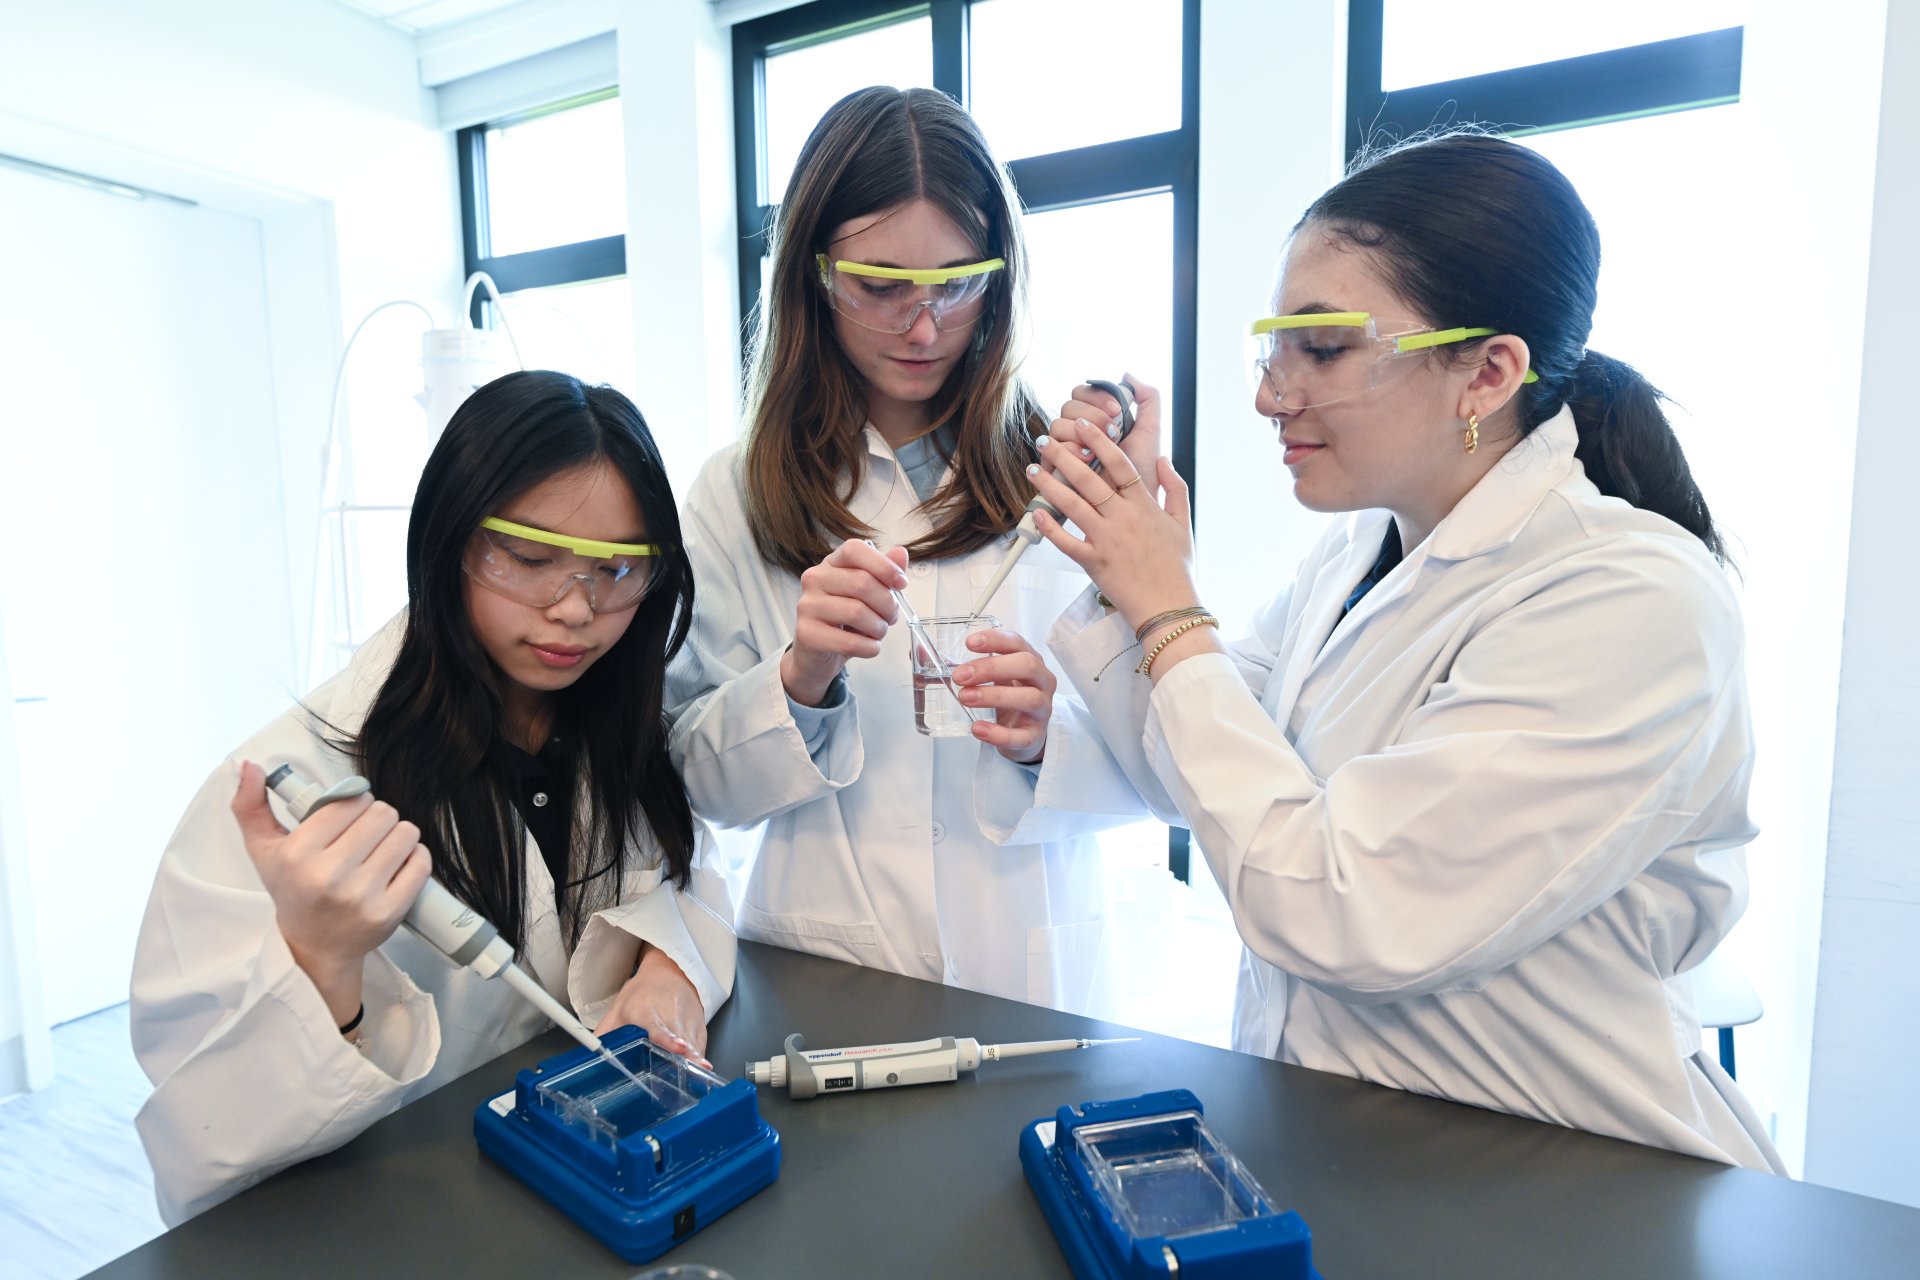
x,y
1043,442
1086,452
1113,431
1033,468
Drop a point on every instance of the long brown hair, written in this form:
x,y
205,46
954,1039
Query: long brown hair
x,y
873,150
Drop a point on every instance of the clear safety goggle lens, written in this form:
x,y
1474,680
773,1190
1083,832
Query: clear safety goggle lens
x,y
890,299
1310,360
538,573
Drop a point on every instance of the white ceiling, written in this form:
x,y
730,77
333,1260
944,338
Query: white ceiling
x,y
416,16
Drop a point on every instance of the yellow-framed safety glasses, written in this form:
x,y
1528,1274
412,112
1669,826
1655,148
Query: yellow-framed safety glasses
x,y
890,299
537,566
1321,357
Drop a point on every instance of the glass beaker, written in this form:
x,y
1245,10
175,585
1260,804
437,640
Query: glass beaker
x,y
937,646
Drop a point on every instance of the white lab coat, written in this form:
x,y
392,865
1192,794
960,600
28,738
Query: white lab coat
x,y
1471,834
250,1073
936,858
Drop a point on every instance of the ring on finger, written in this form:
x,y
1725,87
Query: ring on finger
x,y
1122,488
1111,495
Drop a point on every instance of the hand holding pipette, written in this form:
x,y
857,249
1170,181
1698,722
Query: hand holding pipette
x,y
1132,533
417,900
1026,533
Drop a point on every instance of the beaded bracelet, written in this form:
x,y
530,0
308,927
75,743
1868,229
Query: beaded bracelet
x,y
1159,620
1201,620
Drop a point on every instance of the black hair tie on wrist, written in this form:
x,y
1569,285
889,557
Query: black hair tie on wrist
x,y
354,1023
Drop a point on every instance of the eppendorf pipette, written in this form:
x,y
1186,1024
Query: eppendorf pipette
x,y
1026,533
807,1074
443,921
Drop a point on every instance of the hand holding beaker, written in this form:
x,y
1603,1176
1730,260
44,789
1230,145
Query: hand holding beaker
x,y
1013,682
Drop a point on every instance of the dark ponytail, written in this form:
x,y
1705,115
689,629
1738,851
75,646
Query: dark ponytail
x,y
1629,449
1475,230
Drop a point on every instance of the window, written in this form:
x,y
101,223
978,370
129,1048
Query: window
x,y
543,199
1106,167
1108,181
544,203
1657,140
1411,65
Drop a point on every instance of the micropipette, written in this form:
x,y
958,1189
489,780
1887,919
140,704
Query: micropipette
x,y
442,920
1026,533
807,1074
916,629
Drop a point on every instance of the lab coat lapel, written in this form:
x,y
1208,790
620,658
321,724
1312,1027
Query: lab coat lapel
x,y
1331,587
1490,515
885,499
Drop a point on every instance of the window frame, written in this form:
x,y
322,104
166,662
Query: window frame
x,y
1149,164
602,258
1684,73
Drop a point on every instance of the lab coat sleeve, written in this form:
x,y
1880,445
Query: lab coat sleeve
x,y
250,1073
1077,789
1098,654
1569,744
735,741
694,926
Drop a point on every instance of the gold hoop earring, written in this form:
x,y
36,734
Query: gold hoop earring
x,y
1473,432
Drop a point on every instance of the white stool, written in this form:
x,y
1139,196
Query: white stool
x,y
1723,998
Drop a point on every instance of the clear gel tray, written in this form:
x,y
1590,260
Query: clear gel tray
x,y
605,1106
1167,1175
642,1162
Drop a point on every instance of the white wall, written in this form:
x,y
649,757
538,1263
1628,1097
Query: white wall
x,y
1864,1122
676,97
297,113
302,113
1256,178
26,1050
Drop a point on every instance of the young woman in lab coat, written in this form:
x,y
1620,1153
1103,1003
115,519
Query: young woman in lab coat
x,y
886,407
511,724
1475,784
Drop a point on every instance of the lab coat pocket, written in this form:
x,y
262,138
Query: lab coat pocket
x,y
1061,962
857,940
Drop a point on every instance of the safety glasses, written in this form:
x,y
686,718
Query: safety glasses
x,y
1323,357
535,567
890,299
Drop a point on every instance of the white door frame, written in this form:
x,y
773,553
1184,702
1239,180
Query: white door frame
x,y
303,314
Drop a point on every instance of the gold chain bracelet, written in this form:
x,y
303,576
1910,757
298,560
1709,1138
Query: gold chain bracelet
x,y
1202,620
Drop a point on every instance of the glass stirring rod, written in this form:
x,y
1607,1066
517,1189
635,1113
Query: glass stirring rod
x,y
919,633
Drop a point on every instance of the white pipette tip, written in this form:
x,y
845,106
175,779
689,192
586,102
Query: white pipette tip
x,y
521,981
996,1052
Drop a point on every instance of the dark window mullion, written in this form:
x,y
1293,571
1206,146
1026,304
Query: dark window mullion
x,y
1663,75
1103,171
470,146
561,264
949,22
749,151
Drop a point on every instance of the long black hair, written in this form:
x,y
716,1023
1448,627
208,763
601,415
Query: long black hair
x,y
427,742
1475,230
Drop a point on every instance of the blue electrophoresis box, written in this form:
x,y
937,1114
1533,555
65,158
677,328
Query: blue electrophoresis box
x,y
1140,1188
641,1163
